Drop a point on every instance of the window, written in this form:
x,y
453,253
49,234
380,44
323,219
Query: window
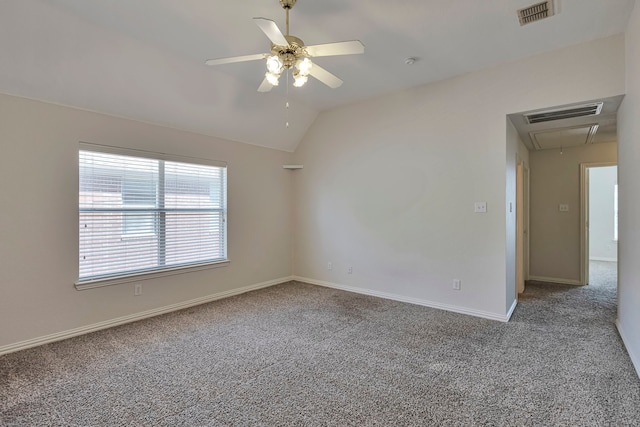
x,y
145,212
139,194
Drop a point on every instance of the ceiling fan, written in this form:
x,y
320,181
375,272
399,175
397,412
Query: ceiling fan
x,y
290,53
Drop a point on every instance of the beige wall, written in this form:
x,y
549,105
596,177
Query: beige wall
x,y
629,196
389,185
39,219
555,235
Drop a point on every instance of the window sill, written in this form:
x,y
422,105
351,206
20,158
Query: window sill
x,y
82,285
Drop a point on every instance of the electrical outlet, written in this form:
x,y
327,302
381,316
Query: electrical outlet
x,y
480,207
329,266
456,284
350,270
137,289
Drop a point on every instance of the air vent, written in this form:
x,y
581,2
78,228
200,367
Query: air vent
x,y
565,113
535,12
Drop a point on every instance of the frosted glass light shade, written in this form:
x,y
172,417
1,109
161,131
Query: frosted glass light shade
x,y
299,80
272,78
274,65
304,66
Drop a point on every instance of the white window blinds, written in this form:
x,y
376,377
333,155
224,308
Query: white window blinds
x,y
142,214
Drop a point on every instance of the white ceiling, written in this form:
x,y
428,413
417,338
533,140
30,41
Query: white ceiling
x,y
144,59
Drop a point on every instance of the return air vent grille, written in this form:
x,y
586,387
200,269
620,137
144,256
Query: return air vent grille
x,y
535,12
566,113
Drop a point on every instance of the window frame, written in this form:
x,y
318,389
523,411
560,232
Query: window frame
x,y
125,277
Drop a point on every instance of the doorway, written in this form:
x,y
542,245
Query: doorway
x,y
599,224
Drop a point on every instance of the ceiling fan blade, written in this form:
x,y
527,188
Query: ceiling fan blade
x,y
272,31
325,77
233,59
265,86
340,48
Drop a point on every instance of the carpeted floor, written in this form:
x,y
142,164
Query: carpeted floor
x,y
298,354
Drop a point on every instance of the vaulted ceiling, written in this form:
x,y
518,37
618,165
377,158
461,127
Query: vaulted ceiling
x,y
144,59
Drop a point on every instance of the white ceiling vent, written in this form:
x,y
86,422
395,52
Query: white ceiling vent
x,y
536,12
564,113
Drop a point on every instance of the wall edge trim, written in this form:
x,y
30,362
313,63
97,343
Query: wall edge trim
x,y
635,358
512,309
82,330
410,300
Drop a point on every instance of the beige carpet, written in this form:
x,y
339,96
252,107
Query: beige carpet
x,y
297,354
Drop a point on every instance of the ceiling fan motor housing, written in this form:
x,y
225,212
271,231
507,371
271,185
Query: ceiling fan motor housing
x,y
287,4
289,54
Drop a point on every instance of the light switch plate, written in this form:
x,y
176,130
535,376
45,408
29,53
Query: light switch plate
x,y
564,208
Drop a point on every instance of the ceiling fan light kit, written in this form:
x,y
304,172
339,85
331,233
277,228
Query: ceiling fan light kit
x,y
290,53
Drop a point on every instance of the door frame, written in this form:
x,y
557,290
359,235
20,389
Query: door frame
x,y
526,213
522,224
584,217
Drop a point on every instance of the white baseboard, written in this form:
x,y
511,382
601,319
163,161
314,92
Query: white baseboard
x,y
555,280
635,358
597,258
58,336
410,300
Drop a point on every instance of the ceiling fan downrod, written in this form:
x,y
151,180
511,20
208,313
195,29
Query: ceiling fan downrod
x,y
287,5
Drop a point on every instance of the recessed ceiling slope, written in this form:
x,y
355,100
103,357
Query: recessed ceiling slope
x,y
144,59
